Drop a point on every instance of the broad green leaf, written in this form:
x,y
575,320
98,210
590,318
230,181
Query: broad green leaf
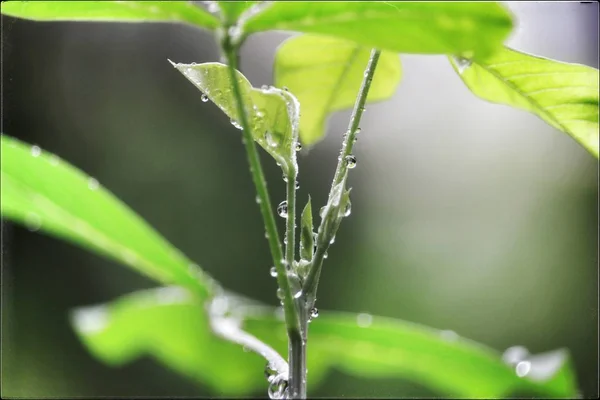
x,y
111,11
272,113
562,94
306,233
475,28
232,10
45,193
174,332
325,74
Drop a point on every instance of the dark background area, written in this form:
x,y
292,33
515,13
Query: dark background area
x,y
466,215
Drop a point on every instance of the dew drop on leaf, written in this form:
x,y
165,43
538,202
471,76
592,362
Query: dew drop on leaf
x,y
297,185
33,222
282,209
357,131
204,98
36,151
54,160
298,146
273,272
523,368
462,64
314,313
364,320
236,124
285,179
278,387
93,184
351,161
280,294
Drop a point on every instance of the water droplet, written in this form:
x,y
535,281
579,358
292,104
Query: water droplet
x,y
351,161
286,88
448,335
273,272
270,139
236,124
265,87
363,109
266,235
332,241
91,319
33,222
523,368
513,355
285,240
462,64
54,160
270,372
325,256
36,151
93,183
297,185
314,313
278,387
204,98
347,209
298,146
258,200
298,294
355,139
285,178
280,294
282,209
357,131
364,320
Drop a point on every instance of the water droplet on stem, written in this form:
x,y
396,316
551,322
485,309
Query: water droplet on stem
x,y
282,209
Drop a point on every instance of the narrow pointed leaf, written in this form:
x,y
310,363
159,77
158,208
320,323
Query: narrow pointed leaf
x,y
306,233
403,27
562,94
44,192
175,333
111,11
272,113
325,74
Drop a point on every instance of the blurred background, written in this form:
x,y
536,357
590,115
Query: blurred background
x,y
466,216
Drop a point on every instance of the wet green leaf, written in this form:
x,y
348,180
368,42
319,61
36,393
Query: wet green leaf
x,y
174,332
42,191
111,11
306,233
562,94
325,74
272,113
403,27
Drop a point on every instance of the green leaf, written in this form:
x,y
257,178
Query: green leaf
x,y
562,94
325,74
403,27
173,328
174,332
111,11
306,233
272,113
44,192
232,10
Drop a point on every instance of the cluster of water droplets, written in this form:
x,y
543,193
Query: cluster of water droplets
x,y
278,383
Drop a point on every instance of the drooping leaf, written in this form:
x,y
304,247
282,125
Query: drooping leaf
x,y
172,328
111,11
360,345
476,28
272,113
45,192
325,74
562,94
306,233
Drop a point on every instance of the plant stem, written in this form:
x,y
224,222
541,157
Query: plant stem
x,y
291,316
312,280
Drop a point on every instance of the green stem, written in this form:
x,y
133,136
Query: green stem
x,y
324,235
291,316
